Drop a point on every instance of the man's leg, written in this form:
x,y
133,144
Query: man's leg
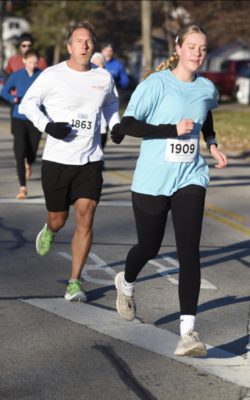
x,y
56,220
81,243
82,238
45,238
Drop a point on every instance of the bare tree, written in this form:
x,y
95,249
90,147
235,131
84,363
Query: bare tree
x,y
146,23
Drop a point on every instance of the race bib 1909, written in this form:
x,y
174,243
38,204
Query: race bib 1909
x,y
181,149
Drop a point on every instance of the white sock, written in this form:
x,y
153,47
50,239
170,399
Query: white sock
x,y
127,288
186,323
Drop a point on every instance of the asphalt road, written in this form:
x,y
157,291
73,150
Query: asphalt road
x,y
51,349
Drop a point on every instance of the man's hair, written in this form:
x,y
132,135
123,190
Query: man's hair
x,y
82,25
107,44
26,37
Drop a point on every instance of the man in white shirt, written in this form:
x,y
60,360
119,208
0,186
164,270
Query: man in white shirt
x,y
74,93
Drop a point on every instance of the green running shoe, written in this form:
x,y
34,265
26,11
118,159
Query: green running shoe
x,y
44,240
74,291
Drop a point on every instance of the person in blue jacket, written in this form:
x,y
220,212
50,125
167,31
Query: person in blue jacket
x,y
26,136
168,110
115,67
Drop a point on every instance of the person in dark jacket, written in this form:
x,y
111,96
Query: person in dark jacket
x,y
26,136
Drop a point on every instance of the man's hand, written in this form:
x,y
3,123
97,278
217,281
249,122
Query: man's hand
x,y
115,134
185,126
219,156
58,130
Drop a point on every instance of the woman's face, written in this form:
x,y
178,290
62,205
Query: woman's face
x,y
193,51
31,63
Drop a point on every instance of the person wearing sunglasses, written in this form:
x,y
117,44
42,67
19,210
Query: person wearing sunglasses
x,y
15,62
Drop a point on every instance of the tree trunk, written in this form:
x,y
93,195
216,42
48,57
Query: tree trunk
x,y
57,53
146,23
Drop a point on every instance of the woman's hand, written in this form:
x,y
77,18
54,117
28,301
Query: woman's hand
x,y
218,156
185,126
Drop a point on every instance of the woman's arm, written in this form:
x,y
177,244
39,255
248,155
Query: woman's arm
x,y
129,126
208,131
5,93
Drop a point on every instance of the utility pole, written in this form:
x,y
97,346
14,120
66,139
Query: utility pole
x,y
146,25
1,33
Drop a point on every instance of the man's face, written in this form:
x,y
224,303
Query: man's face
x,y
81,48
25,46
107,53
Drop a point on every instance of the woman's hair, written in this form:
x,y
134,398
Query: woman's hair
x,y
172,61
30,53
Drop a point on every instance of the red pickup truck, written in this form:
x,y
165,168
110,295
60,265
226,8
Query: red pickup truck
x,y
225,80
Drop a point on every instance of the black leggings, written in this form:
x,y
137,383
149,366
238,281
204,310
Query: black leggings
x,y
187,207
26,142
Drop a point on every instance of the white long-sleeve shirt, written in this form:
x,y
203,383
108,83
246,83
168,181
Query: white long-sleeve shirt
x,y
78,98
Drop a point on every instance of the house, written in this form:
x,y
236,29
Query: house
x,y
232,51
12,28
134,56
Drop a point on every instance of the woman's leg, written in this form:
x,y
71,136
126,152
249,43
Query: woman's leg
x,y
150,216
33,140
187,206
19,133
187,210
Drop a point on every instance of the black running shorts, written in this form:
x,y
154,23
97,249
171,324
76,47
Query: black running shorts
x,y
64,184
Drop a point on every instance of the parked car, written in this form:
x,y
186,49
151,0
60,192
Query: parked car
x,y
226,79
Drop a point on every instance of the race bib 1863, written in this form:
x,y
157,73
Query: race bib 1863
x,y
181,149
83,123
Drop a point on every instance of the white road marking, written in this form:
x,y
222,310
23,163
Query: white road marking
x,y
218,362
40,200
101,265
166,271
247,396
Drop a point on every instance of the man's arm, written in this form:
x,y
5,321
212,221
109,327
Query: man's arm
x,y
110,106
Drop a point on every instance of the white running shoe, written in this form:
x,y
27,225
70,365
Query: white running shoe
x,y
125,305
191,345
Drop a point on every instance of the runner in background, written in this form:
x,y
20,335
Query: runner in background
x,y
26,136
115,66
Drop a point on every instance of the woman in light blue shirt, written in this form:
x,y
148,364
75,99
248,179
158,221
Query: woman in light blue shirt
x,y
169,109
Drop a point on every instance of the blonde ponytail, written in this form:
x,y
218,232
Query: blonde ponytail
x,y
170,62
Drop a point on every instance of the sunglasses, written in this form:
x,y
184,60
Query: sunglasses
x,y
25,45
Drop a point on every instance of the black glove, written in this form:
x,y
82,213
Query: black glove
x,y
116,136
58,130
